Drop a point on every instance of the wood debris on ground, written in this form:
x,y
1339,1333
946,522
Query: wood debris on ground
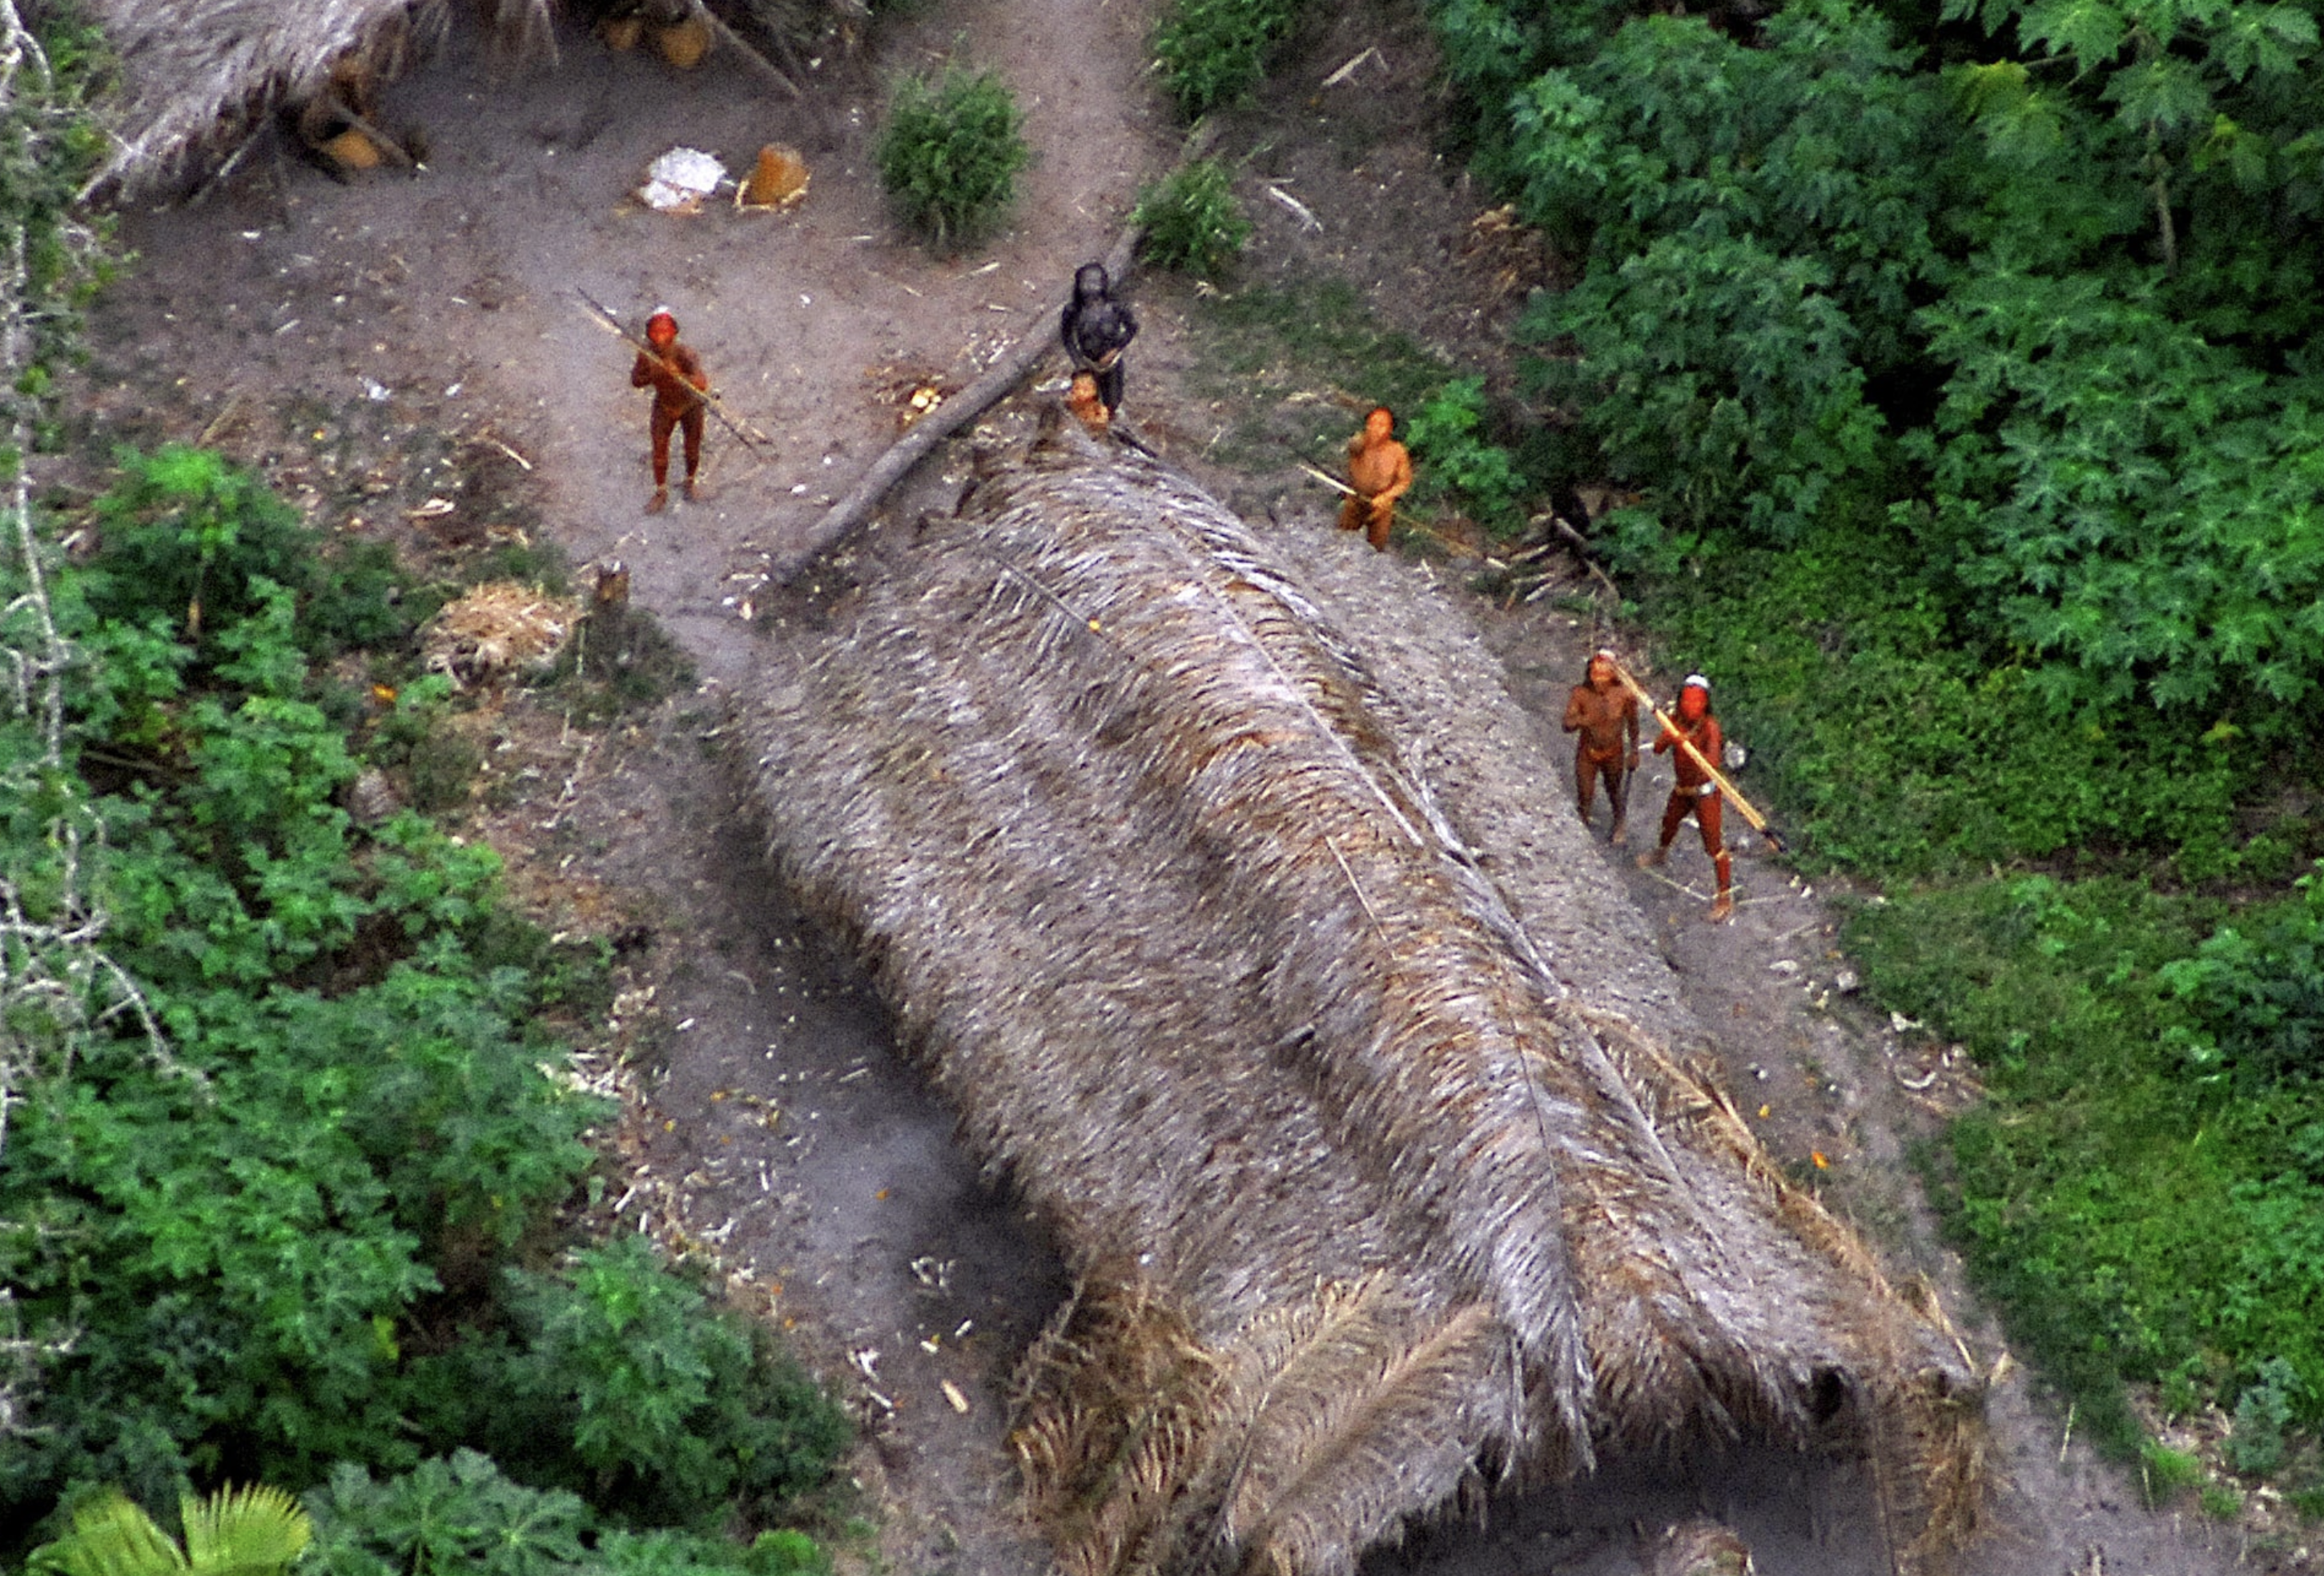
x,y
497,630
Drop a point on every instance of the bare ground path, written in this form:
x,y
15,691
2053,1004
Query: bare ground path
x,y
797,1140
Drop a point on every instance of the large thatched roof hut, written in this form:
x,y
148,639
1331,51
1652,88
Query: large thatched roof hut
x,y
1217,893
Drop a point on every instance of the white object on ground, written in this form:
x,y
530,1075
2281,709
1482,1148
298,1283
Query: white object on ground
x,y
678,180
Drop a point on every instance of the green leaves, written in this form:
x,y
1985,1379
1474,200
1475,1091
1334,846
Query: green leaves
x,y
1754,226
456,1514
359,1117
2255,994
662,1398
1454,457
1723,368
1213,52
113,1536
462,1514
2146,508
1191,219
258,1531
950,154
2090,30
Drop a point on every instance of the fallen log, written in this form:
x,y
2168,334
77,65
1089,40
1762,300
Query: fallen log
x,y
1038,340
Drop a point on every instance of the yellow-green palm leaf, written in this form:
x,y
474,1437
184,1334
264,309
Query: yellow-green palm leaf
x,y
110,1537
257,1531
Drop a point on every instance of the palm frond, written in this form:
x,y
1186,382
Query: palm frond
x,y
110,1537
258,1530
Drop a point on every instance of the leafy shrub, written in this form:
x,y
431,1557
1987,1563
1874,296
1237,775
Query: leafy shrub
x,y
2261,1411
1451,455
439,763
1215,52
2137,501
1819,283
188,539
462,1517
2167,1473
673,1410
273,1236
1754,230
259,1531
2257,998
950,154
445,1515
1192,220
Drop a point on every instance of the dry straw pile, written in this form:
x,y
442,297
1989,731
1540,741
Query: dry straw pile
x,y
1228,921
494,631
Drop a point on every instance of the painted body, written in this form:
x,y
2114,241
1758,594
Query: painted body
x,y
1605,717
1379,469
1695,794
676,376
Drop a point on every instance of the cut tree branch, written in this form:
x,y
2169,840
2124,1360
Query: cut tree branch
x,y
1039,338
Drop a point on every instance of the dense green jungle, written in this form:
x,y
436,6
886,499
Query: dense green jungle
x,y
295,1167
1967,359
1963,359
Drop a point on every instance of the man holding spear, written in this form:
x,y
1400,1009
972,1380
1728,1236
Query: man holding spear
x,y
679,381
1695,731
682,392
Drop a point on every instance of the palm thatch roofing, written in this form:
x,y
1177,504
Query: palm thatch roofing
x,y
1215,879
197,76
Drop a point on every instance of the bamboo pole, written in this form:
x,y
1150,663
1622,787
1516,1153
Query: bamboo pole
x,y
1720,779
599,314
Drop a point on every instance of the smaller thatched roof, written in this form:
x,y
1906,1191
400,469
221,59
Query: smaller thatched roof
x,y
198,75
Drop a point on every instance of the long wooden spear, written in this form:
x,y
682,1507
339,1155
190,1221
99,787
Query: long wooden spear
x,y
597,313
1410,517
1750,812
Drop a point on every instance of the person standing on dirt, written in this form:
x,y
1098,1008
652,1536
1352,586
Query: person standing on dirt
x,y
1601,711
678,380
1379,469
1097,329
1695,794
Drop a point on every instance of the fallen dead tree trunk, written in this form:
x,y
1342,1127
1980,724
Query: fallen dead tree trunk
x,y
1034,345
1201,887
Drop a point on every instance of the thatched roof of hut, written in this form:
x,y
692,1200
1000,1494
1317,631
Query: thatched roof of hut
x,y
1213,878
198,77
195,75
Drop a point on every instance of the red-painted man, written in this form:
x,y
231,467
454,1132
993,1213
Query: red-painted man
x,y
1379,472
677,379
1601,711
1695,794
